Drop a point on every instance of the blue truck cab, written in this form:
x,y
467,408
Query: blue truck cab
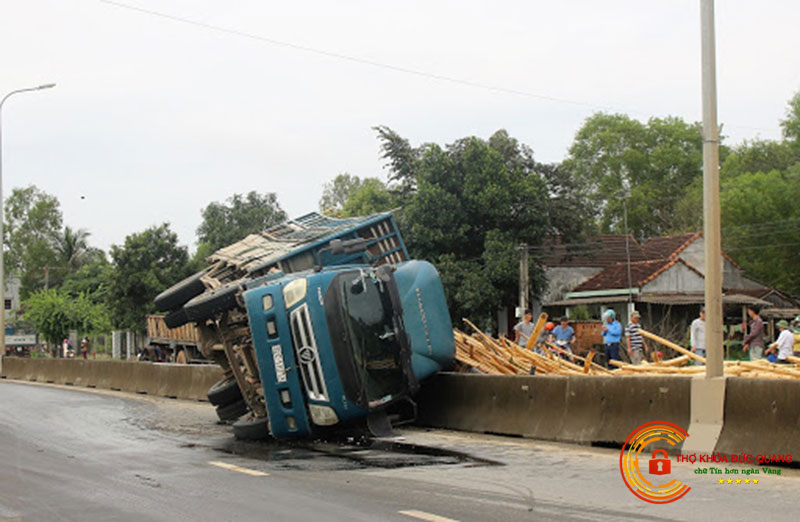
x,y
337,343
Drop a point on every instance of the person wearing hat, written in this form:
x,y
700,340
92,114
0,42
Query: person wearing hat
x,y
637,347
783,346
612,333
697,333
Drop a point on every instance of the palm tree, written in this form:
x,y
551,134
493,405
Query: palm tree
x,y
72,247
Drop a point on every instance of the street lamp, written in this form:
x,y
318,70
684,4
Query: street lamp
x,y
2,269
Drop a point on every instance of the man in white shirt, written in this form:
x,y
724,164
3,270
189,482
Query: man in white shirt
x,y
783,346
698,334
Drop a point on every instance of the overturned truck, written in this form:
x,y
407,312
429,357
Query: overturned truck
x,y
317,322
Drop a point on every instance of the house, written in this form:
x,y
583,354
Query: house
x,y
663,278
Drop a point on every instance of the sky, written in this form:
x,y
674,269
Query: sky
x,y
153,118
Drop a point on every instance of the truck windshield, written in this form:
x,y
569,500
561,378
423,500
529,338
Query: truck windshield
x,y
366,338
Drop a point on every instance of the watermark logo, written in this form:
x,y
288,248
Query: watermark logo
x,y
646,468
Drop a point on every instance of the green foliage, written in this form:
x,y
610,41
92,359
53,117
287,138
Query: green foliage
x,y
226,223
758,156
760,213
370,197
55,313
614,155
467,207
580,313
91,280
72,247
791,124
32,223
335,193
148,263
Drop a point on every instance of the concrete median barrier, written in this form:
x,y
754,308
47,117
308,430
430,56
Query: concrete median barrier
x,y
568,409
166,380
762,417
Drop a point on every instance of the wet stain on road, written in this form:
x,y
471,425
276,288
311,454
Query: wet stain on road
x,y
348,454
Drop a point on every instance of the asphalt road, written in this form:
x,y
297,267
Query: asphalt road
x,y
69,454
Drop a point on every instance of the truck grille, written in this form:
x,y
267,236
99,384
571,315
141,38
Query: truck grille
x,y
305,350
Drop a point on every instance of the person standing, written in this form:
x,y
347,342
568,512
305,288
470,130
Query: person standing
x,y
524,329
783,346
637,347
754,342
564,336
697,333
85,347
612,333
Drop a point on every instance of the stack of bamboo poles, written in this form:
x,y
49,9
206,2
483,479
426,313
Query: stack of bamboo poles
x,y
503,357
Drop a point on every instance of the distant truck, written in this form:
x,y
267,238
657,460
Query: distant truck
x,y
317,322
20,345
179,345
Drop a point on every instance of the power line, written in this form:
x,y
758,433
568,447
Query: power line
x,y
382,65
350,58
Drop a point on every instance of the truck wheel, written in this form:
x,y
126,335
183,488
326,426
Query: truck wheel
x,y
251,428
232,411
209,304
180,292
176,318
225,391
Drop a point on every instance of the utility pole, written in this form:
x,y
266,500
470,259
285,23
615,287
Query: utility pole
x,y
523,278
628,254
711,205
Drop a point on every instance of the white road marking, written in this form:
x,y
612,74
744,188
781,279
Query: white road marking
x,y
233,467
426,516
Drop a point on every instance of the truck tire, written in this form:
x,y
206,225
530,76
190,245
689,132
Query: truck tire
x,y
209,304
251,428
233,411
224,392
176,295
176,318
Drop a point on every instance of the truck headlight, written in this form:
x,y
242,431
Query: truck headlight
x,y
322,415
294,292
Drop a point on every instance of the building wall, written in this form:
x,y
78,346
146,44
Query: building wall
x,y
12,291
732,277
677,279
561,280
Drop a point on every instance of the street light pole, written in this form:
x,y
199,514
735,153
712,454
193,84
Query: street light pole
x,y
2,205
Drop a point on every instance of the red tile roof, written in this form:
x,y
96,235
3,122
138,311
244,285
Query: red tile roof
x,y
666,246
642,272
604,250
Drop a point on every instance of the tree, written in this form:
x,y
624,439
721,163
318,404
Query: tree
x,y
760,216
32,222
466,209
148,263
226,223
614,157
336,192
371,197
72,247
55,313
91,280
791,124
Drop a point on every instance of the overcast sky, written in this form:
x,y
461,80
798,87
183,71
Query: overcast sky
x,y
153,118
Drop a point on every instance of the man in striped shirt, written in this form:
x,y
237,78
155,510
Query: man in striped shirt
x,y
637,348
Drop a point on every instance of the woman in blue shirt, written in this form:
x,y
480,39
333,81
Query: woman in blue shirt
x,y
612,333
